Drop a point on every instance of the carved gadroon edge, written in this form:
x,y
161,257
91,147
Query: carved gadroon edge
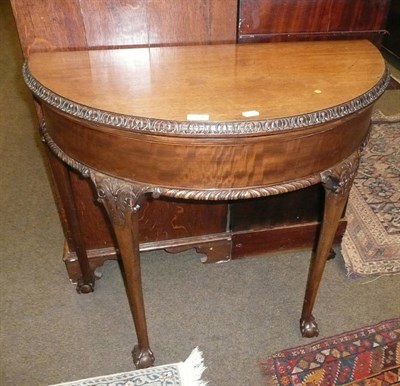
x,y
122,195
82,169
210,128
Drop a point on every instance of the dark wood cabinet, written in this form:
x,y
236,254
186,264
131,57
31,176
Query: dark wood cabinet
x,y
283,20
223,230
391,42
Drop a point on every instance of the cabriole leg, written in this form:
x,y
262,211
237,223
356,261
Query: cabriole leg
x,y
128,242
337,183
121,202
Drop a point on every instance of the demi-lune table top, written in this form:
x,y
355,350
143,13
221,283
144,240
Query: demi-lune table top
x,y
167,87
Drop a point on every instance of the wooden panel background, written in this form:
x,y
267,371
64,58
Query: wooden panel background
x,y
39,32
358,15
279,16
276,20
78,24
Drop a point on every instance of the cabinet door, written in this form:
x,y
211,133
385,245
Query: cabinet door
x,y
358,15
283,16
282,20
392,40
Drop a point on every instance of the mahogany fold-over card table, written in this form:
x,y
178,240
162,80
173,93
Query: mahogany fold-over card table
x,y
214,122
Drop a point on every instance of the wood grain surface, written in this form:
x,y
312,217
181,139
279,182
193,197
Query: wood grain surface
x,y
223,81
54,25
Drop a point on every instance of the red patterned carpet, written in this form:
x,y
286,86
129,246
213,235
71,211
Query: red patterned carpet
x,y
369,356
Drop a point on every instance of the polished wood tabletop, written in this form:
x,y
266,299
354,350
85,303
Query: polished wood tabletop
x,y
169,83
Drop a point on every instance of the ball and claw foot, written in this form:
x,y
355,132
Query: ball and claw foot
x,y
142,358
309,328
84,288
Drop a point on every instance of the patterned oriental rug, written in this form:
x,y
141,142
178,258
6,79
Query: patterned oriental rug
x,y
371,244
186,373
366,357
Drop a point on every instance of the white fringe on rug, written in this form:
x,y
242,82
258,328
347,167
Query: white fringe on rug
x,y
192,369
186,373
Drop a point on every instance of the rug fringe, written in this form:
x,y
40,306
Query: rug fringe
x,y
192,369
268,368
